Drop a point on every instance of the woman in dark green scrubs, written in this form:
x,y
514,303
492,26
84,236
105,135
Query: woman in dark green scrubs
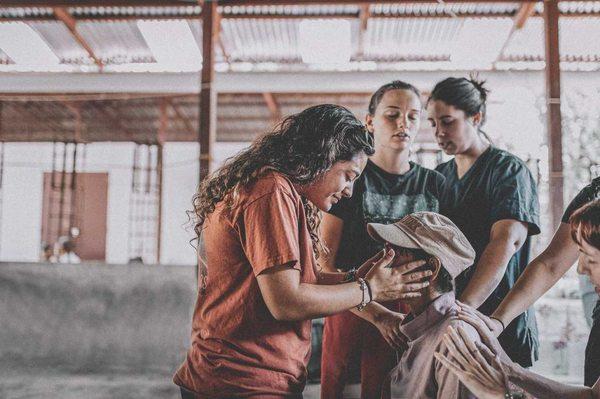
x,y
491,196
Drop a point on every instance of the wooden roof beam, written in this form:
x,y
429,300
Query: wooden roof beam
x,y
273,106
219,39
363,16
75,108
114,120
63,15
186,122
525,11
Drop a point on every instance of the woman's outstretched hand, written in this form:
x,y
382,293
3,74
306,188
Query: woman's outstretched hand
x,y
475,365
401,282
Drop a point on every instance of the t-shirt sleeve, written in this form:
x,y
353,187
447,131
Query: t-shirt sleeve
x,y
270,231
514,196
583,197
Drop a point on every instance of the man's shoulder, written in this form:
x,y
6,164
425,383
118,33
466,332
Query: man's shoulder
x,y
454,322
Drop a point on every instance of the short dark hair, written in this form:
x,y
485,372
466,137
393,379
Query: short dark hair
x,y
587,220
394,85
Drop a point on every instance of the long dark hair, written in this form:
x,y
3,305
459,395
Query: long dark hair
x,y
302,147
393,85
468,95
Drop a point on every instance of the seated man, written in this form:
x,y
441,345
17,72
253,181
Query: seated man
x,y
433,237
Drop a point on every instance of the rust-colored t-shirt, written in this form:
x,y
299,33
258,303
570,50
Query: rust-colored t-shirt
x,y
238,348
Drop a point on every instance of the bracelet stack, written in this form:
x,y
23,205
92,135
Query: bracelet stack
x,y
366,293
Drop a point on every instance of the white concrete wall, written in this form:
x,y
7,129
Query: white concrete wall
x,y
22,197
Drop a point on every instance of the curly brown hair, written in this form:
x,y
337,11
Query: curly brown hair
x,y
302,147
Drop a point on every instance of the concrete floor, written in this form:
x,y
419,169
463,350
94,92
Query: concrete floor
x,y
19,385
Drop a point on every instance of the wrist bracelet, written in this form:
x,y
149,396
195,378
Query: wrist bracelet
x,y
350,275
499,321
369,290
365,290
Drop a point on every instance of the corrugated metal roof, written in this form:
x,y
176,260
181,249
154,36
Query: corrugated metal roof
x,y
253,40
60,39
579,7
26,12
109,12
305,10
387,39
116,42
439,9
401,36
575,43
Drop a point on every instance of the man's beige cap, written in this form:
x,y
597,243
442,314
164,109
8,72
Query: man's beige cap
x,y
431,232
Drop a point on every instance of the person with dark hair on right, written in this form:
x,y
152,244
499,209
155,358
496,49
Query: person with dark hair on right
x,y
484,367
491,196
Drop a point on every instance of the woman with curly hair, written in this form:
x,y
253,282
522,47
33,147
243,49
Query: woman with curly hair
x,y
260,283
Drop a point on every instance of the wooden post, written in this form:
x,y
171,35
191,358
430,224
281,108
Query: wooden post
x,y
162,131
206,134
554,119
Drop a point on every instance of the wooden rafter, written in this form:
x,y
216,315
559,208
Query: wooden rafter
x,y
272,105
219,39
76,110
63,15
363,15
525,11
186,121
115,121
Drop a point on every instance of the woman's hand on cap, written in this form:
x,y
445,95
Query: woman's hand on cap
x,y
388,284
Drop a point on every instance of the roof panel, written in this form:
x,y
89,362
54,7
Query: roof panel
x,y
445,9
575,35
254,40
60,39
399,36
579,7
528,41
305,10
25,12
388,39
116,42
